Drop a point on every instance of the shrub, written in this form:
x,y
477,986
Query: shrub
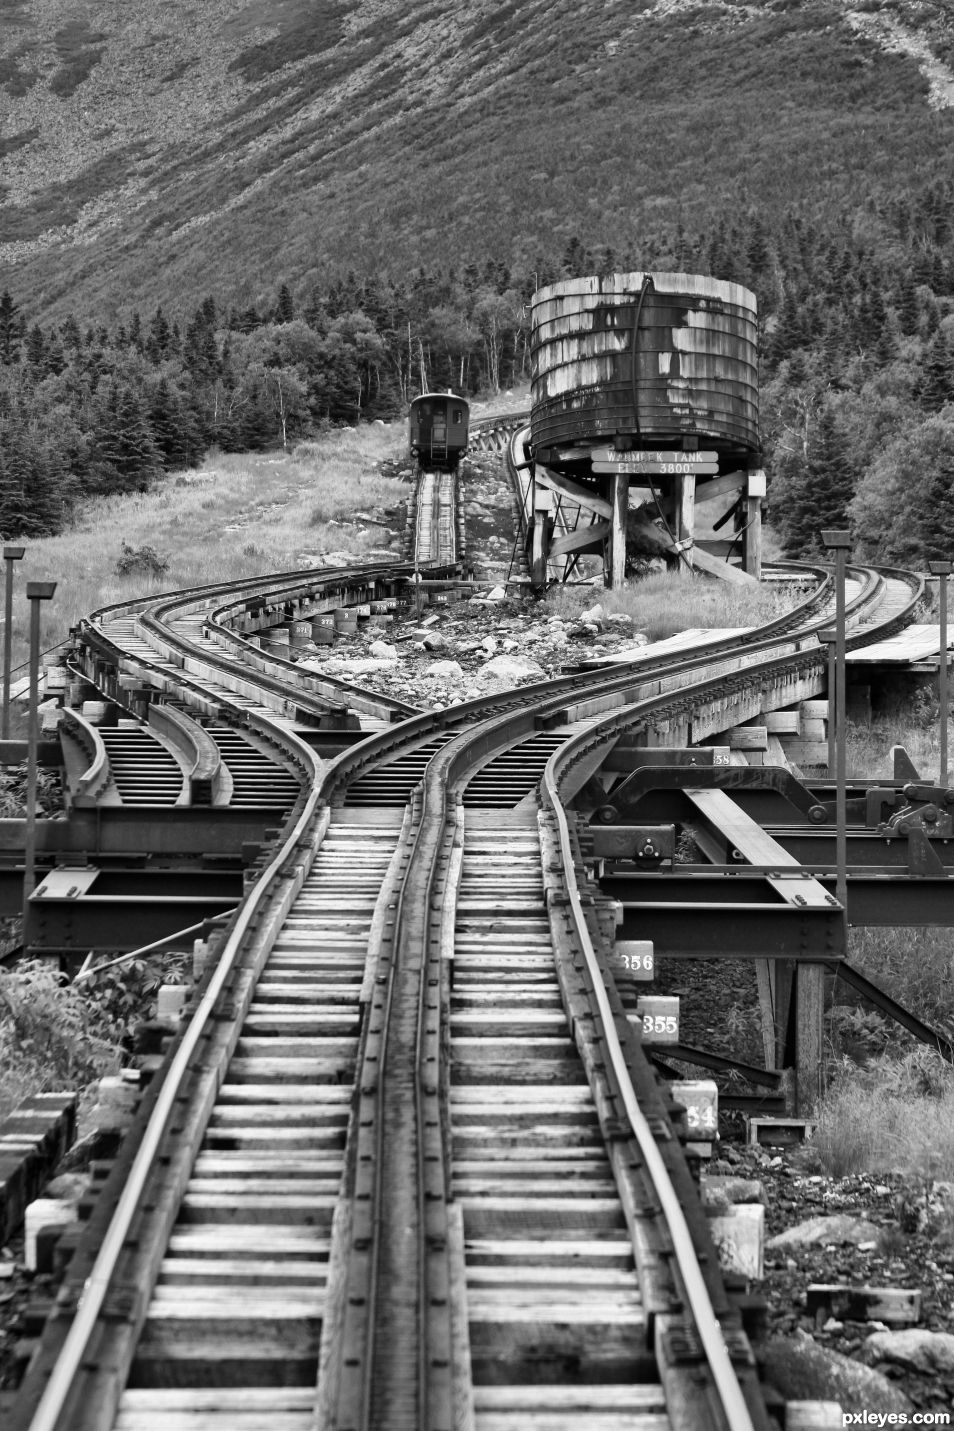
x,y
141,561
51,1036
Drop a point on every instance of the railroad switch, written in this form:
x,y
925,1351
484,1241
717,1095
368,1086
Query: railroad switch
x,y
928,808
649,846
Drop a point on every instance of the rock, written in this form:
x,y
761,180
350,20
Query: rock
x,y
511,668
434,641
381,651
802,1370
498,593
916,1349
820,1231
620,619
357,666
594,616
446,670
733,1189
489,645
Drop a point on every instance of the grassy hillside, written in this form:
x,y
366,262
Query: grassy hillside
x,y
158,154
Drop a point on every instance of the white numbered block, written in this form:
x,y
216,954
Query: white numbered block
x,y
739,1237
700,1098
657,1016
635,958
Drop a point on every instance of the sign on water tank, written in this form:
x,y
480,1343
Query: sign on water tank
x,y
678,468
650,454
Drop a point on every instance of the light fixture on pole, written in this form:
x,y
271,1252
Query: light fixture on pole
x,y
840,543
942,570
36,591
10,555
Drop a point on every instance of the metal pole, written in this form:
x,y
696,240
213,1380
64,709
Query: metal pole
x,y
10,555
36,591
841,543
942,570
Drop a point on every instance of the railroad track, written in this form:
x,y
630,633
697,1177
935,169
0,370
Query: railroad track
x,y
405,1164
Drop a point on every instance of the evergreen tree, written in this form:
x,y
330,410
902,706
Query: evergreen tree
x,y
126,456
10,329
820,500
935,515
285,307
936,387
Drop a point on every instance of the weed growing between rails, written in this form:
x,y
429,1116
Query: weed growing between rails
x,y
239,514
668,602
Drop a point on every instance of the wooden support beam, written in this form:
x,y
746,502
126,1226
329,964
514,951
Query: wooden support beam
x,y
584,538
574,491
783,722
686,511
712,567
728,485
747,737
809,1037
752,537
619,497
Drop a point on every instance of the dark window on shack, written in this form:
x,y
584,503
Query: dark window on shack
x,y
457,415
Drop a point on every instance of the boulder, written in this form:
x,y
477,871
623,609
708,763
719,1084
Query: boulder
x,y
802,1370
382,651
915,1348
820,1231
511,668
446,670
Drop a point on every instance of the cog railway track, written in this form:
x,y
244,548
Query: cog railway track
x,y
406,1164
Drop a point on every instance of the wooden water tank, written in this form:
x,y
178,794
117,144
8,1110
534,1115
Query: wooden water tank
x,y
695,341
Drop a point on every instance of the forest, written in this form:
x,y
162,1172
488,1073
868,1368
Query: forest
x,y
857,348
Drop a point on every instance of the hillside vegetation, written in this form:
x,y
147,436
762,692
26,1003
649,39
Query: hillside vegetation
x,y
204,145
232,225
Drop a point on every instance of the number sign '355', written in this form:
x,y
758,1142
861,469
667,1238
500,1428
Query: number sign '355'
x,y
658,1018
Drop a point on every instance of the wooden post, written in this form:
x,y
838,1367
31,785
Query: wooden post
x,y
619,500
765,978
752,536
539,554
809,1032
685,501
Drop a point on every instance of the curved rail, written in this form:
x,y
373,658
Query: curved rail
x,y
627,694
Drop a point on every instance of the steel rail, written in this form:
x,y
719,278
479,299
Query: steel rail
x,y
735,1410
451,765
93,1295
53,1400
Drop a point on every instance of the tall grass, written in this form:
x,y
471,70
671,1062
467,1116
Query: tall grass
x,y
894,1115
236,515
668,602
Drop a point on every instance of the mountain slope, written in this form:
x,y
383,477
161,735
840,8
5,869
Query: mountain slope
x,y
158,153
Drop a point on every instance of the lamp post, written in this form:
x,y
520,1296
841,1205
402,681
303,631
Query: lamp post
x,y
840,543
10,555
36,591
942,570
